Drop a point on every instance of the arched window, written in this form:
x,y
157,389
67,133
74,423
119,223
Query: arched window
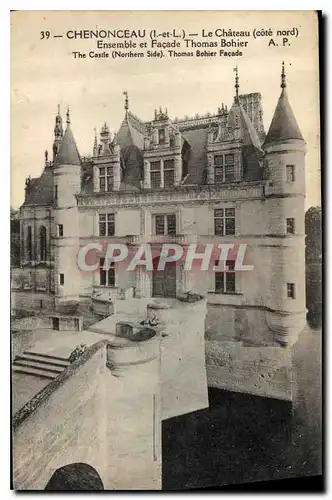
x,y
29,244
42,243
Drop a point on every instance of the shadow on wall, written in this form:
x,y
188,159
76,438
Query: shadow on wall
x,y
74,477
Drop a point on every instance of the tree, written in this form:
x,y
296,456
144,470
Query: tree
x,y
14,238
313,225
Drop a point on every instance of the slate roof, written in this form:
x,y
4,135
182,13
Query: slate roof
x,y
194,141
131,132
40,190
284,125
197,139
68,153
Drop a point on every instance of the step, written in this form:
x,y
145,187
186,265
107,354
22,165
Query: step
x,y
34,372
39,366
42,359
48,356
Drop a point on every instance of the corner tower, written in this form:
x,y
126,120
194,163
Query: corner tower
x,y
66,185
284,168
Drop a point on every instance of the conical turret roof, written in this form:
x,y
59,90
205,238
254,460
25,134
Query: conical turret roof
x,y
284,125
68,153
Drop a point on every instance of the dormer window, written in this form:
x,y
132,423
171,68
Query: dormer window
x,y
161,136
224,168
105,179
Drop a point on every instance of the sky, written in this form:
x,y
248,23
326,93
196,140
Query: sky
x,y
45,74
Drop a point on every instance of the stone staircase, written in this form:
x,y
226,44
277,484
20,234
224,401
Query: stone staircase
x,y
43,366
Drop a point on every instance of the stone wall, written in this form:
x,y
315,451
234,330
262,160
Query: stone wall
x,y
31,302
263,371
90,416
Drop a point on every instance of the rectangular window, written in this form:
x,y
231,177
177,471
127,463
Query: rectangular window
x,y
60,230
224,221
225,280
106,224
171,224
290,224
56,193
218,160
224,170
290,173
218,175
155,174
107,276
165,224
161,136
291,290
61,279
105,179
168,173
160,224
229,168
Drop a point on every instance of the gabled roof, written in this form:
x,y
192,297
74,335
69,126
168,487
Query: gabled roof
x,y
68,153
284,125
238,117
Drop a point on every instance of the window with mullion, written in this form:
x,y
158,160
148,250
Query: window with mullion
x,y
224,169
224,222
106,224
107,276
165,224
105,179
225,280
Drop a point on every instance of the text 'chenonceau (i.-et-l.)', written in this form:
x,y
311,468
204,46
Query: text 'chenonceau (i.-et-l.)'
x,y
172,43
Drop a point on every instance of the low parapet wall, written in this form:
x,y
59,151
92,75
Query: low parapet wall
x,y
90,415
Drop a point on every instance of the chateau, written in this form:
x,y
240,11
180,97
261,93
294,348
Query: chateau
x,y
213,179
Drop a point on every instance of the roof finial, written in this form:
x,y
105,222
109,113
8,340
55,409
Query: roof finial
x,y
95,143
68,116
283,76
58,109
125,93
236,84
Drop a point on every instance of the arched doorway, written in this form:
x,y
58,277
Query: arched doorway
x,y
164,282
77,476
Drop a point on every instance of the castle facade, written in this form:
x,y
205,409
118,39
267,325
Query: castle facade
x,y
213,179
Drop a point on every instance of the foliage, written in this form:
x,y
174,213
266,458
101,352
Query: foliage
x,y
314,266
14,238
190,297
77,352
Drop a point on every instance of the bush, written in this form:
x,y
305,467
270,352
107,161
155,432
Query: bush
x,y
190,297
77,352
